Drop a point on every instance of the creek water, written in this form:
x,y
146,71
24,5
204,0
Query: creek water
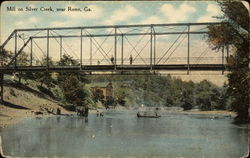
x,y
122,134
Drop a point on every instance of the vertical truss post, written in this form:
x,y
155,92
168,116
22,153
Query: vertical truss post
x,y
31,51
15,63
154,47
90,55
188,50
48,49
222,60
1,85
81,52
60,48
151,46
122,51
115,47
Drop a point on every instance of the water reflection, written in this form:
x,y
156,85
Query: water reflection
x,y
123,134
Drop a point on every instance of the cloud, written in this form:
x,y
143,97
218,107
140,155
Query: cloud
x,y
177,14
152,20
62,23
212,10
122,15
95,12
30,22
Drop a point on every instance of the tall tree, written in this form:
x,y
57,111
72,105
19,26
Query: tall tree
x,y
74,92
44,77
5,56
235,33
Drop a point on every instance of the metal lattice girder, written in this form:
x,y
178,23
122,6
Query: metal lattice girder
x,y
121,34
111,26
93,32
120,26
100,68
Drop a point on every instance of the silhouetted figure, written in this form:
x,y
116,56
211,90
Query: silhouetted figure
x,y
112,60
101,114
98,62
130,59
86,112
86,120
58,111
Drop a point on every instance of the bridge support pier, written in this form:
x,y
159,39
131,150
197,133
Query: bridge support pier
x,y
1,86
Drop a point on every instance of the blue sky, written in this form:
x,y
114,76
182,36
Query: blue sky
x,y
105,13
112,13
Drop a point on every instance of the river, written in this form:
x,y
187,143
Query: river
x,y
122,134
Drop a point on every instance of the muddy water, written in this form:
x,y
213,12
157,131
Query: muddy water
x,y
121,134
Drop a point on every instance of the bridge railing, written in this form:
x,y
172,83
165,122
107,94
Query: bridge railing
x,y
127,61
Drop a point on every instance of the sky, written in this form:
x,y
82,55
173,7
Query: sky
x,y
104,13
36,14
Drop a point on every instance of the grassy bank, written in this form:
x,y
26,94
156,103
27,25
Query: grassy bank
x,y
26,100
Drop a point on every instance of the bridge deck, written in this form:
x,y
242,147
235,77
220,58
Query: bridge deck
x,y
99,68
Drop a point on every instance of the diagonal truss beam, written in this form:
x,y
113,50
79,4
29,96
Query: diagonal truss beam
x,y
19,52
103,42
99,47
7,40
170,47
135,49
174,50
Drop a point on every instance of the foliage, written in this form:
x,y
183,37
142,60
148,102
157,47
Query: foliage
x,y
157,90
45,76
73,84
5,56
69,60
234,32
74,92
98,95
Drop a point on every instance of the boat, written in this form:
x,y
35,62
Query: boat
x,y
148,114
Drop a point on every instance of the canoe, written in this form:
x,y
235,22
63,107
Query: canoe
x,y
147,115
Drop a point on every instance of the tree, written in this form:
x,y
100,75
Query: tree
x,y
68,60
74,91
98,95
5,56
234,32
45,76
22,60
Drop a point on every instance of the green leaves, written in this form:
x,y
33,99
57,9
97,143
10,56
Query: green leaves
x,y
236,34
74,91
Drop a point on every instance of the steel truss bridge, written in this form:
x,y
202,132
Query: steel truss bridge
x,y
126,52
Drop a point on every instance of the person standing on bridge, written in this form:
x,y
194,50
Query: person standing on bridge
x,y
130,59
112,60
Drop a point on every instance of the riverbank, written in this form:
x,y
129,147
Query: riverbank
x,y
20,104
215,112
10,116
